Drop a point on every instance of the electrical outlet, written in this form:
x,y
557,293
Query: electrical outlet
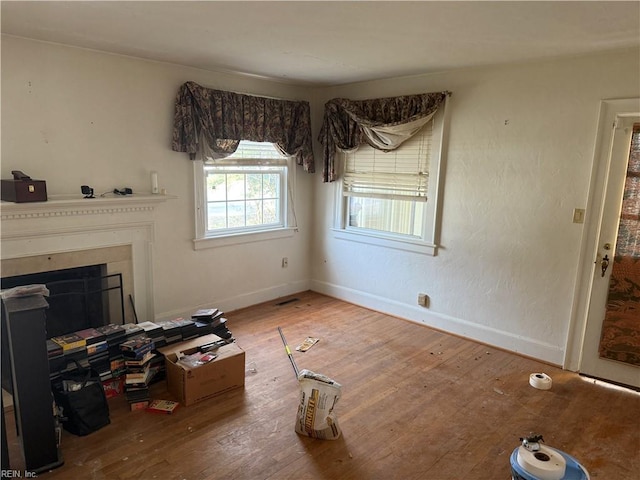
x,y
285,262
423,300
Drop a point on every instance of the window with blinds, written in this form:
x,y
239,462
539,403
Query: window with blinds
x,y
402,174
386,192
391,199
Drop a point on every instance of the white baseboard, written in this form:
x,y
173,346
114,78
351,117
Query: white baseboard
x,y
480,333
240,301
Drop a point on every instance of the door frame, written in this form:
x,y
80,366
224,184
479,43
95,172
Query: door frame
x,y
609,111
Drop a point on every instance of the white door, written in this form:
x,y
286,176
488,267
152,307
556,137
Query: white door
x,y
616,130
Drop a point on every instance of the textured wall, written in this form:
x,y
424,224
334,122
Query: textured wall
x,y
520,157
73,117
521,145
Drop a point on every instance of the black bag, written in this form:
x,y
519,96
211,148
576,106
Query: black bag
x,y
84,409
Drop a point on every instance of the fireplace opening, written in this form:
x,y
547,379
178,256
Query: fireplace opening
x,y
79,298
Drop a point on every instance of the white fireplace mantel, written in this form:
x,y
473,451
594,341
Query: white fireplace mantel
x,y
70,205
71,223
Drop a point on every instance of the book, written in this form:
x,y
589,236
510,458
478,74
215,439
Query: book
x,y
132,363
205,313
70,342
188,328
151,329
115,334
138,405
137,394
163,406
209,316
112,330
132,330
53,349
96,348
171,331
117,365
91,335
139,379
137,347
76,354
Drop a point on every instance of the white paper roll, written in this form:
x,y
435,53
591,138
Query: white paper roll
x,y
154,182
544,464
541,381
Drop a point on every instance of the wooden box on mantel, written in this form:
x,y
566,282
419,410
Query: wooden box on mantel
x,y
23,190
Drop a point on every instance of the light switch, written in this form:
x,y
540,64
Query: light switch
x,y
578,215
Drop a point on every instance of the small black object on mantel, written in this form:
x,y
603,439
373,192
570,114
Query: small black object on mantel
x,y
87,191
22,188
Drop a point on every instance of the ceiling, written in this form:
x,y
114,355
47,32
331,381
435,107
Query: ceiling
x,y
330,43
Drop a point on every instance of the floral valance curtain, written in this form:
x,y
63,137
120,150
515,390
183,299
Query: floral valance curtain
x,y
208,120
383,123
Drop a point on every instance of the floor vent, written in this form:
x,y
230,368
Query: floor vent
x,y
284,302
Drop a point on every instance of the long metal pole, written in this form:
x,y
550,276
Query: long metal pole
x,y
288,350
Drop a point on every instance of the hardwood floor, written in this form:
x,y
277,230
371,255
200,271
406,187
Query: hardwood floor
x,y
416,404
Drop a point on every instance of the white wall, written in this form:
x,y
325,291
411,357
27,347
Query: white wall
x,y
520,156
73,117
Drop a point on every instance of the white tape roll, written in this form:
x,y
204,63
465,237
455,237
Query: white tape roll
x,y
541,381
544,464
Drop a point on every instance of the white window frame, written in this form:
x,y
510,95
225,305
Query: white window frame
x,y
427,244
204,239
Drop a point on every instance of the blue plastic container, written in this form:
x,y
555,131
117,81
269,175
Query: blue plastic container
x,y
574,471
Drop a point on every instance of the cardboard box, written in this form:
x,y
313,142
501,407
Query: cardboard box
x,y
194,384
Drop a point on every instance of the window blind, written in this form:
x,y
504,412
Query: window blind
x,y
399,174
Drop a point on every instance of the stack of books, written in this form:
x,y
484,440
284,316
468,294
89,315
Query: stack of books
x,y
222,331
207,315
70,343
56,359
115,335
97,351
158,370
137,353
96,342
204,328
155,332
74,347
188,328
211,320
171,331
117,366
132,330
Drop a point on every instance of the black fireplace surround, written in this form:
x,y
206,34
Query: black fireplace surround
x,y
79,298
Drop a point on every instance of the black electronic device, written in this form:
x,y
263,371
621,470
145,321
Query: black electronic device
x,y
87,191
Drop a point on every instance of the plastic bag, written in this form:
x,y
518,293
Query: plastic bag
x,y
25,291
316,412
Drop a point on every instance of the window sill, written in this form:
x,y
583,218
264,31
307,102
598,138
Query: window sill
x,y
387,242
240,238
